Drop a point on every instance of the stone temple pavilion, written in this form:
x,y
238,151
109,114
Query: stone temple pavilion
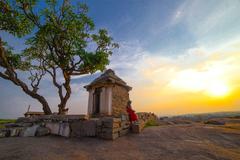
x,y
108,95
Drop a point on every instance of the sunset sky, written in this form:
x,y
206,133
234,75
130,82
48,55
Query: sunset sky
x,y
179,56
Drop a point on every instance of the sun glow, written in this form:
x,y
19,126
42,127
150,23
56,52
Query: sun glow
x,y
209,82
218,89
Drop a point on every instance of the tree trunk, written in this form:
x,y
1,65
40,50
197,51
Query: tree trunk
x,y
11,75
62,106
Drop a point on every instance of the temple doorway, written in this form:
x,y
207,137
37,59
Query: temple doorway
x,y
96,101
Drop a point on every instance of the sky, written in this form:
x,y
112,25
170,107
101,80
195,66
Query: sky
x,y
179,56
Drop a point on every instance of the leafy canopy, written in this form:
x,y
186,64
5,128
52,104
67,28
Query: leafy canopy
x,y
62,39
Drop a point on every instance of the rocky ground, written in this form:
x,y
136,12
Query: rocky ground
x,y
193,141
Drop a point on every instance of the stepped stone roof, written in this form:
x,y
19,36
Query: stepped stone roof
x,y
108,77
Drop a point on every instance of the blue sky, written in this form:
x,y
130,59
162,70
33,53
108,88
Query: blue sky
x,y
159,41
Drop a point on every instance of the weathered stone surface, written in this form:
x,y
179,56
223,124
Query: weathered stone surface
x,y
137,127
124,117
110,130
3,133
42,131
63,118
53,127
28,119
22,119
26,124
120,97
64,130
14,132
109,136
123,132
52,118
30,131
21,124
10,125
84,128
109,122
125,124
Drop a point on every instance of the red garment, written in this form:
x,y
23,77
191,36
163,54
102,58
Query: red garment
x,y
132,114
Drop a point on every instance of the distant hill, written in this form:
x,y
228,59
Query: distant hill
x,y
206,116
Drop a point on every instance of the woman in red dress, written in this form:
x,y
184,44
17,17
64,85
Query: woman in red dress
x,y
132,115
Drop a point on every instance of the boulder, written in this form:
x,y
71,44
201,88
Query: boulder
x,y
29,131
42,131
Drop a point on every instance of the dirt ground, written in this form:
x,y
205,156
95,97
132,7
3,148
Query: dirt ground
x,y
190,142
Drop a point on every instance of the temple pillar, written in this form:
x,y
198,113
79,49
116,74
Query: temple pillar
x,y
90,101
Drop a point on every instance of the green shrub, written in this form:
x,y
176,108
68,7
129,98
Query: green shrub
x,y
151,123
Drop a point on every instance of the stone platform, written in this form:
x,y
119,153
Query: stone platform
x,y
75,126
67,126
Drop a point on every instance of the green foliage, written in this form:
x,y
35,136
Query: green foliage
x,y
62,38
12,20
64,35
151,123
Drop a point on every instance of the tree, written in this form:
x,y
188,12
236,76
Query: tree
x,y
63,41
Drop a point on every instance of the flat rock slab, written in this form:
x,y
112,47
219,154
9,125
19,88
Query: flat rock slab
x,y
61,129
30,131
53,127
42,131
64,130
14,132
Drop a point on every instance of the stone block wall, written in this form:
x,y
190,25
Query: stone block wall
x,y
112,128
120,97
67,126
